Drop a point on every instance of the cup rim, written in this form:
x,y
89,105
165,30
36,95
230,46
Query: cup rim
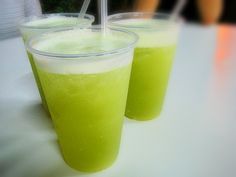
x,y
58,56
31,18
112,19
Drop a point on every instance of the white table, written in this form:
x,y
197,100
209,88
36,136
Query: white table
x,y
194,137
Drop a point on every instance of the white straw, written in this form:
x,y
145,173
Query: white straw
x,y
103,15
177,9
84,8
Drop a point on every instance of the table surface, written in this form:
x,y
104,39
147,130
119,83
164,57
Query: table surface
x,y
195,136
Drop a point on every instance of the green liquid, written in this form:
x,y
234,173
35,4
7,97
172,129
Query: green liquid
x,y
44,25
36,77
37,81
87,111
149,79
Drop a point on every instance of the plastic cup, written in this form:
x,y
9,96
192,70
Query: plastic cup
x,y
85,77
153,58
35,25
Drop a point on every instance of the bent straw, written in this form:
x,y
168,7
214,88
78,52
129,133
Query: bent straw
x,y
177,9
84,9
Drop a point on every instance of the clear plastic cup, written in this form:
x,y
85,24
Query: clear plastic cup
x,y
85,76
35,25
153,60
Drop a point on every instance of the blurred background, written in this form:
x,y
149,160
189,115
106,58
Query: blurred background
x,y
199,11
205,12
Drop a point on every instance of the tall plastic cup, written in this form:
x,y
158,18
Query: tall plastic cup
x,y
152,63
85,76
38,24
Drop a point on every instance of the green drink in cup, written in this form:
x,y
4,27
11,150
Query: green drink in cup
x,y
152,63
85,76
38,24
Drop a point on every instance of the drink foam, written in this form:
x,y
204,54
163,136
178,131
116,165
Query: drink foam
x,y
81,42
151,32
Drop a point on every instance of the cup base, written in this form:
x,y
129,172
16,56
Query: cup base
x,y
90,169
142,118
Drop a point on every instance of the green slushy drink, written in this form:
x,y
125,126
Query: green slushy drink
x,y
35,25
152,63
85,77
